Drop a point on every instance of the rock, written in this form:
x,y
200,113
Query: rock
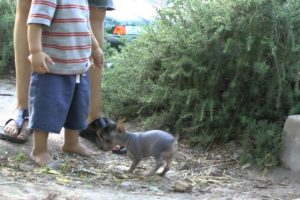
x,y
181,186
127,185
171,174
291,143
154,189
214,171
218,157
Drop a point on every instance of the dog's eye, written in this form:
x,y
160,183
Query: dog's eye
x,y
107,140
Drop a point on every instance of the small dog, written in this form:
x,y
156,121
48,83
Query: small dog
x,y
156,143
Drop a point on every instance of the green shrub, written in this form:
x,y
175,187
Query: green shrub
x,y
213,70
7,15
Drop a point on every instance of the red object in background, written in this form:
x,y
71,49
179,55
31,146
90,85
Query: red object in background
x,y
119,30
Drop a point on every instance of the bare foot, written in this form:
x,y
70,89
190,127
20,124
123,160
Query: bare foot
x,y
24,132
80,149
11,129
41,159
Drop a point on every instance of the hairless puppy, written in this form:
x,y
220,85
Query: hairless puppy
x,y
156,143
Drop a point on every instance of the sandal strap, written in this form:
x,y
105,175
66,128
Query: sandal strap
x,y
19,116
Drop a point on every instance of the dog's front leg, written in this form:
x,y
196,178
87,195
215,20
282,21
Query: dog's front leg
x,y
133,165
135,161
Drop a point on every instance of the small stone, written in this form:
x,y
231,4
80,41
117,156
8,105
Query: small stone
x,y
218,157
127,184
154,189
214,171
181,186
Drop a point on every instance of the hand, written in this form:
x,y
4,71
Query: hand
x,y
39,62
98,58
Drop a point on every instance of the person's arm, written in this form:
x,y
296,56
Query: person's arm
x,y
37,57
41,14
97,53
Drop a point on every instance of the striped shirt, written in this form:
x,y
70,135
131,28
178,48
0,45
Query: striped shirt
x,y
66,34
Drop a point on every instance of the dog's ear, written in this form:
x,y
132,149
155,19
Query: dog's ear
x,y
120,126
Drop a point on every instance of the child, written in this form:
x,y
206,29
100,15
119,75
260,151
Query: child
x,y
60,45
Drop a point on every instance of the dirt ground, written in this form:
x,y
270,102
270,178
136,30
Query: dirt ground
x,y
215,174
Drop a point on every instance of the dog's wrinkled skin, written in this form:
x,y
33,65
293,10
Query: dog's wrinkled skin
x,y
156,143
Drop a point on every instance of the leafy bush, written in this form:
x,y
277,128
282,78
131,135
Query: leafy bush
x,y
7,15
214,70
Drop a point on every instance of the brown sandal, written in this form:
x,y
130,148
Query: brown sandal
x,y
19,117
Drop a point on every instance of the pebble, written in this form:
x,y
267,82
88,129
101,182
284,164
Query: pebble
x,y
183,187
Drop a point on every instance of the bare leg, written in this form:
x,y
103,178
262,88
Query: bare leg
x,y
39,152
22,64
97,23
72,145
23,69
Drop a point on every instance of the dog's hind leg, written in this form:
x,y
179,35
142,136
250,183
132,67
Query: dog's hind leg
x,y
167,167
158,163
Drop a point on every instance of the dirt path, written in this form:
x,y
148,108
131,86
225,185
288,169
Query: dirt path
x,y
213,175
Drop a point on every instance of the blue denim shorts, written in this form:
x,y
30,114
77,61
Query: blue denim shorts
x,y
106,4
57,101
